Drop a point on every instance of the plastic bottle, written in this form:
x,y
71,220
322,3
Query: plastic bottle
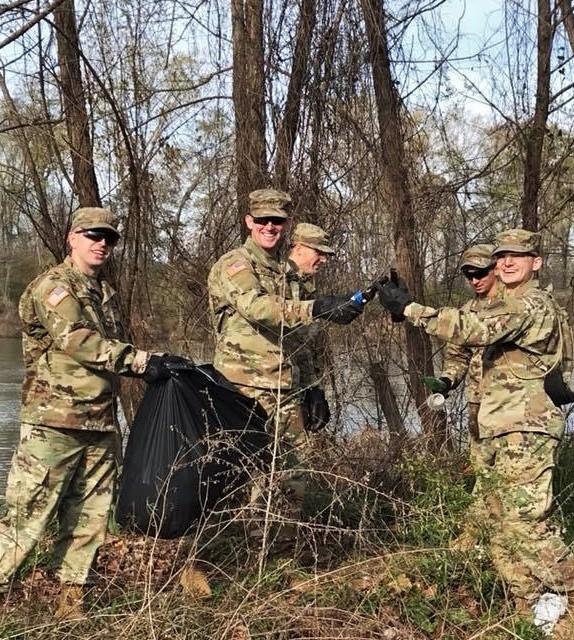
x,y
436,401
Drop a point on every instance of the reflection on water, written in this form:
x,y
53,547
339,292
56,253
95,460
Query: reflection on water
x,y
11,374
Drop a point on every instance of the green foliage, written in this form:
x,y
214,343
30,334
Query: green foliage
x,y
353,508
17,269
564,489
12,629
435,502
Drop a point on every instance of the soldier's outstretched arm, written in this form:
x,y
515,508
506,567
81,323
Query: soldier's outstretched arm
x,y
74,333
242,290
455,363
504,321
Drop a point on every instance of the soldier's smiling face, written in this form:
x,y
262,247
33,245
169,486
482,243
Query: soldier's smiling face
x,y
90,249
267,232
516,268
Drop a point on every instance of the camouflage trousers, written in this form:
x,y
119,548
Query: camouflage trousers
x,y
65,474
286,420
480,456
513,499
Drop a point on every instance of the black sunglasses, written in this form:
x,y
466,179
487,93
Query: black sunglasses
x,y
97,235
274,220
476,274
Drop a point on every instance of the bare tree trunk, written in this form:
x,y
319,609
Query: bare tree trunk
x,y
535,132
568,19
72,88
387,400
248,100
288,129
395,181
52,237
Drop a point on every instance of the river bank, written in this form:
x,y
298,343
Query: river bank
x,y
11,374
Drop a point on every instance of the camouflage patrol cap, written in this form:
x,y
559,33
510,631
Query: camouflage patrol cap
x,y
517,241
269,202
310,235
479,256
94,218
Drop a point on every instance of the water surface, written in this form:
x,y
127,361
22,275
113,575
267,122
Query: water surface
x,y
11,374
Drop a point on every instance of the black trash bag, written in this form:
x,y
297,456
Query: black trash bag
x,y
195,438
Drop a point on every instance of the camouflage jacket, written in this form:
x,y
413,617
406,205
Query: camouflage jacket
x,y
71,352
304,342
253,313
461,360
521,337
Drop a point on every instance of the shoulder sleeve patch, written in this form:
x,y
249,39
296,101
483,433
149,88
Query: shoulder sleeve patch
x,y
56,296
236,268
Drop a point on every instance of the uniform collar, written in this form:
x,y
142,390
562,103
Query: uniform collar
x,y
306,280
533,283
293,271
268,260
99,285
78,274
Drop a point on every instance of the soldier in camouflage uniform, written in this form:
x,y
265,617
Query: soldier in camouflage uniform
x,y
460,361
517,420
254,316
478,268
65,463
310,250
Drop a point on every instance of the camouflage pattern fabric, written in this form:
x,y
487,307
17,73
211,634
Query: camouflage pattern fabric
x,y
521,333
94,218
520,429
479,256
285,415
461,361
517,241
527,552
58,471
269,202
303,343
72,353
252,313
312,236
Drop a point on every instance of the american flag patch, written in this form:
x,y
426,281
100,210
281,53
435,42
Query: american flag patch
x,y
57,295
236,267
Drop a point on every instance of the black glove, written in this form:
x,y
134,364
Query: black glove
x,y
447,382
556,388
394,296
402,285
339,309
163,367
316,412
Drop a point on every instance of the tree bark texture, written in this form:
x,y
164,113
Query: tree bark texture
x,y
387,400
288,129
397,192
568,19
73,98
248,100
536,130
53,238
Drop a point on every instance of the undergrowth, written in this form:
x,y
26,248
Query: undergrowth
x,y
372,561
